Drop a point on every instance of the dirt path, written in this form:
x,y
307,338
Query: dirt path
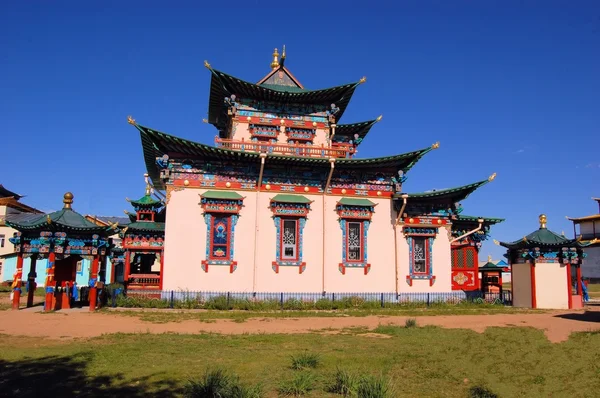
x,y
557,325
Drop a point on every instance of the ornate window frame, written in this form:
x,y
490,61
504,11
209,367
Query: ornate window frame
x,y
224,206
287,209
361,213
429,235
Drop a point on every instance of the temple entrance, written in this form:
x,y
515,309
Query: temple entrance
x,y
64,278
465,272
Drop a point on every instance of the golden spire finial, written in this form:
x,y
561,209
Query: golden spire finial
x,y
563,233
543,221
283,53
275,63
131,120
362,79
204,120
68,200
48,219
492,177
207,65
436,145
379,118
496,242
489,258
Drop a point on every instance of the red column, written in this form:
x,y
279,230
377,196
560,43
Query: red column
x,y
49,284
569,291
93,290
31,279
578,283
17,283
127,267
533,294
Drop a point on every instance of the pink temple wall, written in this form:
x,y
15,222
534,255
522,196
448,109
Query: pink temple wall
x,y
242,132
186,229
551,286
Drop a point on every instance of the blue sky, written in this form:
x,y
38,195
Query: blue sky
x,y
510,87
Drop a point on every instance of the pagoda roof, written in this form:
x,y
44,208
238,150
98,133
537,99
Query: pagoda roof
x,y
288,198
224,85
346,132
543,237
156,144
108,220
448,196
65,219
490,266
13,202
146,226
579,220
5,193
475,220
146,201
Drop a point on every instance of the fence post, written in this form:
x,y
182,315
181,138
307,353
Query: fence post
x,y
428,299
114,298
172,301
281,301
333,297
228,299
382,300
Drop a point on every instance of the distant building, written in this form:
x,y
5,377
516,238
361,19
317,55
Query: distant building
x,y
10,207
589,229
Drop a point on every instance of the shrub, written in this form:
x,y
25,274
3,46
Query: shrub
x,y
218,303
374,387
410,323
480,391
293,304
324,304
305,360
302,383
217,383
344,383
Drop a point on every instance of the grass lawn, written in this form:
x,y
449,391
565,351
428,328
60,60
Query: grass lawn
x,y
594,290
418,362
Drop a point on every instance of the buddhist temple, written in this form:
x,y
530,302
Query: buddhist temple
x,y
587,230
546,269
281,202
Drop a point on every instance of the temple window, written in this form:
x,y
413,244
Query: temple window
x,y
289,214
355,218
263,132
300,136
221,212
420,253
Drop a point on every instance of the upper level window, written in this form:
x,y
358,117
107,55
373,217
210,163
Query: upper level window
x,y
2,240
289,239
420,249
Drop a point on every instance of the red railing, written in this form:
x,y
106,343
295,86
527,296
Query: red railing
x,y
336,151
144,281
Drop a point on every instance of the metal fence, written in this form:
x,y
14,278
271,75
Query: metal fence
x,y
281,300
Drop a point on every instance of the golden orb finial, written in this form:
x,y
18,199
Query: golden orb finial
x,y
362,79
275,63
436,145
379,118
131,120
68,200
543,220
492,177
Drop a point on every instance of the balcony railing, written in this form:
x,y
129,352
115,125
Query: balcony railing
x,y
322,151
144,281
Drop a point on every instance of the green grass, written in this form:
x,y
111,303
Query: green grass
x,y
415,362
594,290
305,360
166,316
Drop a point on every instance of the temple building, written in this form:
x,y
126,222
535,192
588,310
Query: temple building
x,y
281,203
586,229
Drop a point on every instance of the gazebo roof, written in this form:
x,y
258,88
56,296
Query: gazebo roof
x,y
66,220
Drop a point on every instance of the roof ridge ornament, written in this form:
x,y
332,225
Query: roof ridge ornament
x,y
207,65
67,200
379,118
436,145
543,220
131,120
275,62
362,80
492,177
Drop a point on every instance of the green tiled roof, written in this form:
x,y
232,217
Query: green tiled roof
x,y
150,226
490,266
542,237
287,198
486,220
226,195
346,132
62,220
156,144
223,85
146,201
356,202
446,196
284,89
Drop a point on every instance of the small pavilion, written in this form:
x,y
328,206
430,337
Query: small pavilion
x,y
63,237
546,269
491,276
